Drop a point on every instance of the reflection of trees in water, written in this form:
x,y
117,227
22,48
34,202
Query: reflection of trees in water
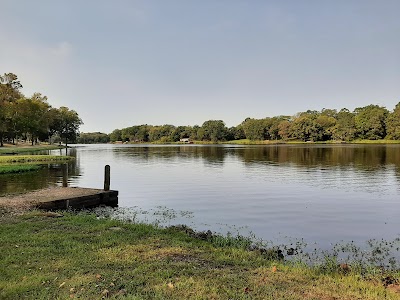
x,y
366,168
363,157
371,160
368,157
18,183
210,154
73,165
144,153
213,155
48,175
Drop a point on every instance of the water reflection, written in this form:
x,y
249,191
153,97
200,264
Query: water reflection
x,y
354,163
49,175
323,193
367,157
355,168
371,159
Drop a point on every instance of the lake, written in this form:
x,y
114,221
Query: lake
x,y
319,193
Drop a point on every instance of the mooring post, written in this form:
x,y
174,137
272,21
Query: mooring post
x,y
107,178
65,175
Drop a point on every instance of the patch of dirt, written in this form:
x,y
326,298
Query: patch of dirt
x,y
187,258
394,288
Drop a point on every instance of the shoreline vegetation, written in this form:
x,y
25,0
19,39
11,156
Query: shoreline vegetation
x,y
33,118
57,255
12,162
25,147
267,142
371,122
332,142
21,159
60,255
11,169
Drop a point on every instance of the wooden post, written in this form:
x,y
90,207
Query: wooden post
x,y
107,178
65,175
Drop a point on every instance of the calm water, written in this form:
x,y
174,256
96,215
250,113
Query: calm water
x,y
321,193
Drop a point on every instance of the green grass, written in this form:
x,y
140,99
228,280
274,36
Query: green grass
x,y
268,142
81,256
7,169
25,148
250,142
25,163
7,159
274,142
375,142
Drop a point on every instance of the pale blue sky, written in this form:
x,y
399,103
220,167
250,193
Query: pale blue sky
x,y
124,62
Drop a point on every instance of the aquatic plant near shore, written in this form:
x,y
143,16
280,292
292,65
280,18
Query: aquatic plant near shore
x,y
363,258
8,169
9,159
16,149
78,255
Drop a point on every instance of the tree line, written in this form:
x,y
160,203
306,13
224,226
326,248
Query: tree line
x,y
33,118
371,122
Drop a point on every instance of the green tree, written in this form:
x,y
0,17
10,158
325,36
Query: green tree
x,y
370,122
9,93
9,88
284,129
168,133
194,133
304,127
155,133
274,127
256,129
93,138
179,132
235,133
66,123
161,133
10,112
129,133
326,125
213,130
116,135
36,117
142,135
345,127
393,124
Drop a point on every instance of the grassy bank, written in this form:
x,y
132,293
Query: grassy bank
x,y
8,169
7,159
250,142
25,163
375,142
273,142
270,142
23,148
49,256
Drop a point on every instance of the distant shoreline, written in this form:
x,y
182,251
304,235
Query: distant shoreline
x,y
249,142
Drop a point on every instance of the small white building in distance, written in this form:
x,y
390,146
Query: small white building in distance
x,y
185,140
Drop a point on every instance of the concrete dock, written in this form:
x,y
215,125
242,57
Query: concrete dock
x,y
62,198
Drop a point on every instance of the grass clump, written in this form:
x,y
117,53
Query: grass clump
x,y
376,142
8,159
25,163
8,169
15,149
53,256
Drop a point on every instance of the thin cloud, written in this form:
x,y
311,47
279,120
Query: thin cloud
x,y
61,50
